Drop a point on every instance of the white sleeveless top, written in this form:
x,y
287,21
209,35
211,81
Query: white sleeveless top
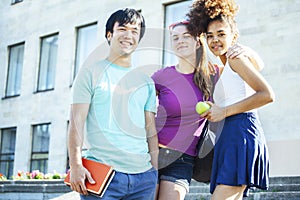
x,y
230,88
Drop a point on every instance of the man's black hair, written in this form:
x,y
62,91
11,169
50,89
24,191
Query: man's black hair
x,y
125,16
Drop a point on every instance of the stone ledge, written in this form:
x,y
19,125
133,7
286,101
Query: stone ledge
x,y
33,186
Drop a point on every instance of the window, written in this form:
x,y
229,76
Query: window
x,y
15,1
173,13
14,73
7,151
47,66
40,147
85,44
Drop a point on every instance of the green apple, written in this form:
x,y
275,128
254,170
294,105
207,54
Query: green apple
x,y
201,107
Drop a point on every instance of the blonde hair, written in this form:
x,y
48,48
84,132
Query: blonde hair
x,y
201,74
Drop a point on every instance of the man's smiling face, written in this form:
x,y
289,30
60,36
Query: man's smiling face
x,y
124,39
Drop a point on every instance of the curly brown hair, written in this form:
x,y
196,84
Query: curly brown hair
x,y
204,11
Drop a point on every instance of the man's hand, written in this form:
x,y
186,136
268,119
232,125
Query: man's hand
x,y
77,179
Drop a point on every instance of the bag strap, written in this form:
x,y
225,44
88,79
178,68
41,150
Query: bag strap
x,y
214,79
202,129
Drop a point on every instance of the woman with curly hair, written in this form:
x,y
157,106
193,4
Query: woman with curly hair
x,y
241,156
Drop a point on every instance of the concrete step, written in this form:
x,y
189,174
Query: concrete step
x,y
281,188
199,189
253,196
273,180
285,180
195,196
290,195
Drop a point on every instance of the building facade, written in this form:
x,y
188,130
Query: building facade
x,y
44,43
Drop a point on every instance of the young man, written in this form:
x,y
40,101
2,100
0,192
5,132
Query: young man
x,y
117,103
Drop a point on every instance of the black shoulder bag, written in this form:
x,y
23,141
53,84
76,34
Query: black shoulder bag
x,y
203,162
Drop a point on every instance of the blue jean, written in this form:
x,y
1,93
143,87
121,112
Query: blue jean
x,y
129,186
179,171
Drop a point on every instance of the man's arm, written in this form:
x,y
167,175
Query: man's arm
x,y
78,173
152,138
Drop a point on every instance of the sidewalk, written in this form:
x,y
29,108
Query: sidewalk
x,y
68,196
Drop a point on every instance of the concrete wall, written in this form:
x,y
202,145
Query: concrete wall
x,y
268,26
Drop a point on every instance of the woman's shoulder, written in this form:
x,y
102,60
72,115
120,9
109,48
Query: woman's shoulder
x,y
164,71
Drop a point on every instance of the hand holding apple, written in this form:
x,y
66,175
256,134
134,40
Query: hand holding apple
x,y
202,107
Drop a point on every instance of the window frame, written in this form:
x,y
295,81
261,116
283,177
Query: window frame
x,y
10,162
9,68
44,155
13,2
77,63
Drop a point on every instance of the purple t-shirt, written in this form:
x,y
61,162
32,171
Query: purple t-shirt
x,y
176,119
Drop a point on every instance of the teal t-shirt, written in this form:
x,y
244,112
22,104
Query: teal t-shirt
x,y
115,125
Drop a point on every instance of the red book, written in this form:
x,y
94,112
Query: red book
x,y
101,173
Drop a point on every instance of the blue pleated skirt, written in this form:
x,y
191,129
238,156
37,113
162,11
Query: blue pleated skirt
x,y
241,154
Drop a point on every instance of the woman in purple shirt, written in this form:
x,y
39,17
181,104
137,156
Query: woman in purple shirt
x,y
179,88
